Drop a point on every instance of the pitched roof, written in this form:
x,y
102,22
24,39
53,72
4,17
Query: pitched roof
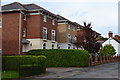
x,y
13,6
31,6
116,40
28,7
63,19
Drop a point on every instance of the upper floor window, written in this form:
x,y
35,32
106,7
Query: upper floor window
x,y
25,17
53,35
45,18
24,32
44,33
68,26
69,38
74,38
53,22
74,28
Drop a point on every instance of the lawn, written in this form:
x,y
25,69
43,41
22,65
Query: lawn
x,y
10,74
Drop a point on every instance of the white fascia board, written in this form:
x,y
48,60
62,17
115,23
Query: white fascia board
x,y
13,10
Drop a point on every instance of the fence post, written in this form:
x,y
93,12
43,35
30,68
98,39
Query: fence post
x,y
96,60
100,59
90,61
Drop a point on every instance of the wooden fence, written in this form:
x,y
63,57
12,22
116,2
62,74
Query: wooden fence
x,y
103,59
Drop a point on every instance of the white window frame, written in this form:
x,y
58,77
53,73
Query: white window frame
x,y
24,32
53,34
44,47
74,28
74,37
45,32
69,37
53,21
45,18
69,26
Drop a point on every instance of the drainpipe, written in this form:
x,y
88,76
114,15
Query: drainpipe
x,y
20,26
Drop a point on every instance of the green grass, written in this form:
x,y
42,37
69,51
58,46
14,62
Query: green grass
x,y
10,74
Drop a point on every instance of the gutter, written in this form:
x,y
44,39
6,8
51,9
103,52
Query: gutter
x,y
20,26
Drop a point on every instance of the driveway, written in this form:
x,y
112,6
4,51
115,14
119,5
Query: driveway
x,y
109,70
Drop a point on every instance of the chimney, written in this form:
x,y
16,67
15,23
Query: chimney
x,y
110,34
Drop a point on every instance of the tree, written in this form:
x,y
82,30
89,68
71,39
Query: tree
x,y
108,50
87,38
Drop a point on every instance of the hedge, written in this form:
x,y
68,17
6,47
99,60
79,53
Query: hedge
x,y
15,63
63,57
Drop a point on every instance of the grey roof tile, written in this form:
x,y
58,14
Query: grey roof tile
x,y
12,6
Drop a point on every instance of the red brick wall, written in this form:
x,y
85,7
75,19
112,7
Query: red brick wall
x,y
0,38
35,26
48,25
80,36
10,33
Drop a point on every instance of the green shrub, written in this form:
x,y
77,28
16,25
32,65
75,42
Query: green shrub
x,y
63,57
14,63
29,70
108,50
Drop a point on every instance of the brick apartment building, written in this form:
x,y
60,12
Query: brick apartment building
x,y
26,27
67,32
29,26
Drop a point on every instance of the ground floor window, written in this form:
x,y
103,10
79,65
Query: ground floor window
x,y
23,48
53,46
69,46
44,46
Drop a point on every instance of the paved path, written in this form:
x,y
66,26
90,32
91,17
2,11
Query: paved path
x,y
100,71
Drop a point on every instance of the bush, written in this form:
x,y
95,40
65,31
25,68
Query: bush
x,y
63,57
108,50
15,62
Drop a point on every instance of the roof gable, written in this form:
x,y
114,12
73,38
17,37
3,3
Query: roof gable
x,y
116,40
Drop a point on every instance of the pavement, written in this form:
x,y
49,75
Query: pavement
x,y
109,70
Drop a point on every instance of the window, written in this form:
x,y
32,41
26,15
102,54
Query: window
x,y
68,26
24,32
53,35
25,17
69,38
53,22
44,33
44,46
68,46
53,46
45,18
74,37
74,28
23,48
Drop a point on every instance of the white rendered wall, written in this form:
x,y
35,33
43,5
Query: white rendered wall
x,y
114,43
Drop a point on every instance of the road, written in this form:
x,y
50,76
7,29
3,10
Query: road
x,y
109,70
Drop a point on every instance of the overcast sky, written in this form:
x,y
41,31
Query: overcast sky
x,y
103,14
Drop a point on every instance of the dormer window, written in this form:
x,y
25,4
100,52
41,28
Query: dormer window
x,y
68,26
53,22
45,18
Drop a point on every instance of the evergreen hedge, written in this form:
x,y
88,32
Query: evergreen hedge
x,y
24,64
63,57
